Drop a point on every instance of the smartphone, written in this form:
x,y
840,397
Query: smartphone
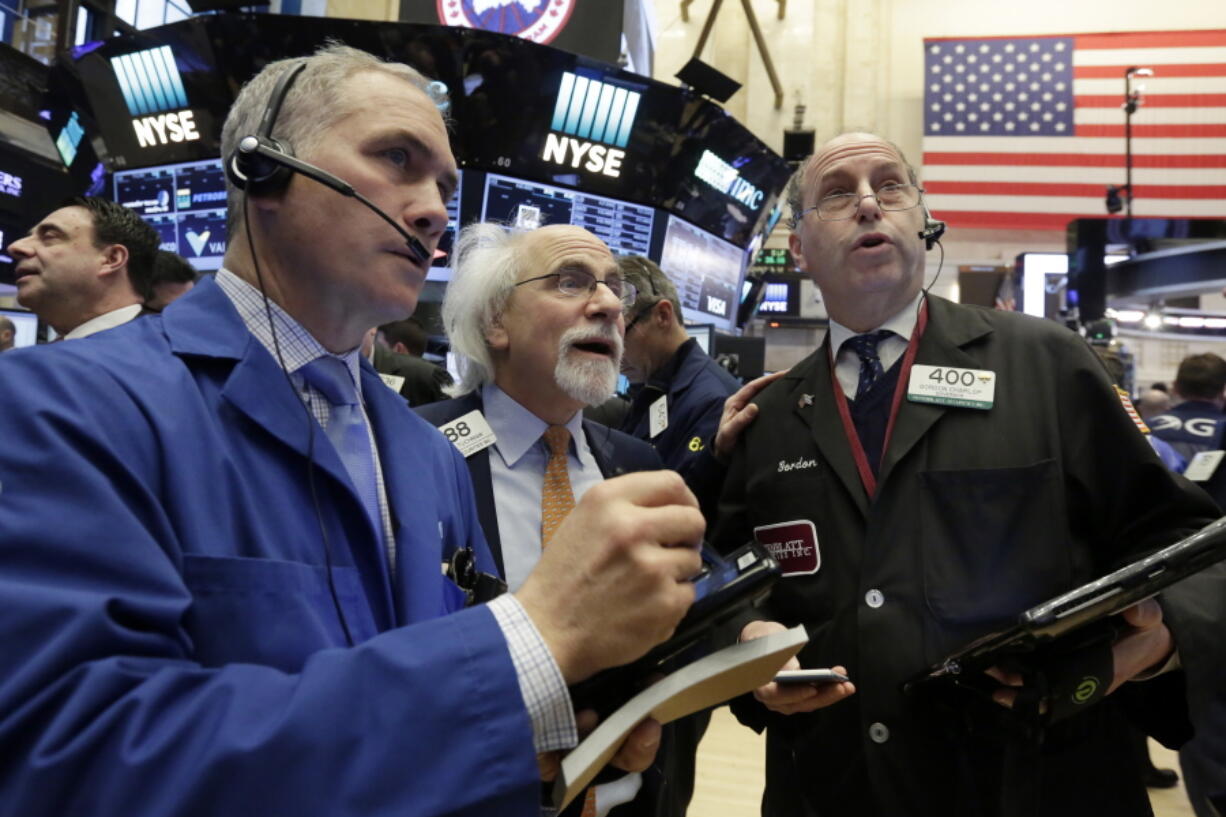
x,y
810,676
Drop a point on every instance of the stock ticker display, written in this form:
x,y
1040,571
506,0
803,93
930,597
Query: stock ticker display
x,y
185,203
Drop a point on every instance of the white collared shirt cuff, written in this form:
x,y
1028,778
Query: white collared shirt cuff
x,y
540,680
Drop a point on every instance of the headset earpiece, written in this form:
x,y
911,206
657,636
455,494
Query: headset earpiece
x,y
245,167
933,229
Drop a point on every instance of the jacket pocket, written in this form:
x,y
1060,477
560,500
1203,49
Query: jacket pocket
x,y
994,542
269,611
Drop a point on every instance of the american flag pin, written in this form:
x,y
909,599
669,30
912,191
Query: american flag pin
x,y
805,401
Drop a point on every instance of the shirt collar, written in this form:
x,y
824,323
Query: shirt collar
x,y
298,346
902,323
516,428
107,320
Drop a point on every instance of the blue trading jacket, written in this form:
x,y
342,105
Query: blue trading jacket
x,y
169,644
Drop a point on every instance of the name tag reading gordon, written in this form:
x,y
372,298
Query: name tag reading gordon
x,y
951,386
469,433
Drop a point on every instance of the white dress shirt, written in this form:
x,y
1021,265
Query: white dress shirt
x,y
107,320
847,362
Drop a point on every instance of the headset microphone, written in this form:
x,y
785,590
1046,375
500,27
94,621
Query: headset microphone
x,y
933,229
263,166
271,151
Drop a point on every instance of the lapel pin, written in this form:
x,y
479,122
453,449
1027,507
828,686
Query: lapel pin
x,y
805,401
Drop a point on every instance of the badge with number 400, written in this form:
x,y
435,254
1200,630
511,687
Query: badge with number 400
x,y
951,386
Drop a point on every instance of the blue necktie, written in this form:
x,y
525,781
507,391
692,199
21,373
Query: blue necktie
x,y
347,429
865,347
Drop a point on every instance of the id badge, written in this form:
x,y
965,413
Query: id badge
x,y
951,386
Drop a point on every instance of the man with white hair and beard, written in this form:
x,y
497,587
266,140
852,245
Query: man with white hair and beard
x,y
536,320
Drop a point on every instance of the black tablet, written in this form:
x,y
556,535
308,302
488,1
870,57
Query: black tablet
x,y
1088,605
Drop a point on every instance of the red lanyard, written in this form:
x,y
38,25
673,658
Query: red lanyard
x,y
849,428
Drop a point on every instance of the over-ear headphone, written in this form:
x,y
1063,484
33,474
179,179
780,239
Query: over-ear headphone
x,y
246,167
933,229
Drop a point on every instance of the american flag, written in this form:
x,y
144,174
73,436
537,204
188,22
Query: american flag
x,y
1027,132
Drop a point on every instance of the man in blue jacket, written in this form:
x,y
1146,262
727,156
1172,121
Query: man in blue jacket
x,y
222,536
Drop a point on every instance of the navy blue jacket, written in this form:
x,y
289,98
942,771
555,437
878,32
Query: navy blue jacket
x,y
1191,427
697,387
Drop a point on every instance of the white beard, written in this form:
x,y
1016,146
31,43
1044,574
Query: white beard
x,y
482,6
589,380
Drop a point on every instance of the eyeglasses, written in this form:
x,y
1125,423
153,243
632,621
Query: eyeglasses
x,y
842,206
575,283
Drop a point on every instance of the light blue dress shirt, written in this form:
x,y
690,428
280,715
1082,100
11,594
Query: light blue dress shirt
x,y
517,472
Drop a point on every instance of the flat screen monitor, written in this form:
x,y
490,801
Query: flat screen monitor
x,y
25,325
1045,281
185,203
706,270
526,205
704,333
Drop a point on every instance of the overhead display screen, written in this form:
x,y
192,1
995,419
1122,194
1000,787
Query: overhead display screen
x,y
185,203
706,270
625,227
519,109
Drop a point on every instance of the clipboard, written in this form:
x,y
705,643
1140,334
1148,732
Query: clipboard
x,y
1084,610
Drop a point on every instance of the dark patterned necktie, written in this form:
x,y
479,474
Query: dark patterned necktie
x,y
865,347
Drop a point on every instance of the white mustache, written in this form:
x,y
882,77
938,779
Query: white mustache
x,y
583,334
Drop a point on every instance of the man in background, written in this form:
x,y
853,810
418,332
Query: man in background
x,y
8,334
173,276
395,350
1197,422
678,390
85,267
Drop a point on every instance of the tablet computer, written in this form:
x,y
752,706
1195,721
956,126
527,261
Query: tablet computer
x,y
1086,606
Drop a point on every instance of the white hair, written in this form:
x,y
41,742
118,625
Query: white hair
x,y
485,267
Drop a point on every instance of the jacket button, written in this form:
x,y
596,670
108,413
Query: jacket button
x,y
879,733
874,598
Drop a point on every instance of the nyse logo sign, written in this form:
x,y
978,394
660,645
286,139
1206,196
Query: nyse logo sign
x,y
591,124
724,178
153,91
10,185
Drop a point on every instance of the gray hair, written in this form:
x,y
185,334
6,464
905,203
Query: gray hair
x,y
796,192
314,104
485,267
652,283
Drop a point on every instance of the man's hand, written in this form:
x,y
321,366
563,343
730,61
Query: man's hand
x,y
788,699
739,413
614,581
635,754
1147,644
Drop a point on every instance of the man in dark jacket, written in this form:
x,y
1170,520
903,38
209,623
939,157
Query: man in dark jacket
x,y
931,471
679,391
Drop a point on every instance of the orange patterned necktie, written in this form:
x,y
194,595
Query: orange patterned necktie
x,y
557,500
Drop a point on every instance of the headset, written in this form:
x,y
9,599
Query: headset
x,y
933,229
262,166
